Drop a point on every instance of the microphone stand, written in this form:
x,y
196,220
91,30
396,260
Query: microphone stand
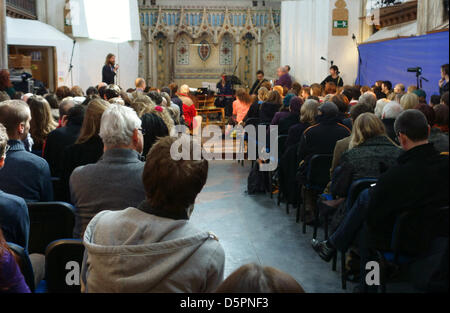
x,y
71,64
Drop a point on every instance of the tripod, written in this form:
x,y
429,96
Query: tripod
x,y
71,64
420,78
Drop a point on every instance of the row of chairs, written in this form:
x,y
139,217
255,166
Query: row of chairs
x,y
51,224
400,254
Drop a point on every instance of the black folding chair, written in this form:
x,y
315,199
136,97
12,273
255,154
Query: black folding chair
x,y
317,178
24,264
282,139
413,235
355,190
49,221
61,257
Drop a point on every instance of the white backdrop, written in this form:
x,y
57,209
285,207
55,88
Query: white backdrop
x,y
304,38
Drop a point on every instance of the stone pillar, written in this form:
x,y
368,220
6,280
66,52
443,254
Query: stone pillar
x,y
171,61
237,57
154,65
3,43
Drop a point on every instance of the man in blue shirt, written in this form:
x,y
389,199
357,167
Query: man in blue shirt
x,y
14,219
24,174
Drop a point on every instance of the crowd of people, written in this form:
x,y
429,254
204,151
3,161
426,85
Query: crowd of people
x,y
107,151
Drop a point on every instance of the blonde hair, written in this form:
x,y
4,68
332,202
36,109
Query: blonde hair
x,y
309,111
164,115
92,119
42,122
280,90
263,94
184,89
409,101
142,104
366,126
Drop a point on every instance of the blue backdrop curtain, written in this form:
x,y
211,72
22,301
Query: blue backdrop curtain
x,y
389,60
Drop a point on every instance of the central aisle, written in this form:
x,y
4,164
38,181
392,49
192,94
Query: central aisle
x,y
255,229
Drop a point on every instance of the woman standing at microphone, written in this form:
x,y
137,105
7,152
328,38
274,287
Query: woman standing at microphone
x,y
110,69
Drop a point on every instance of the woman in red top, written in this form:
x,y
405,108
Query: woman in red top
x,y
189,110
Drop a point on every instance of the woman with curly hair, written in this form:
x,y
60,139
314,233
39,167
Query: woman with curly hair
x,y
42,122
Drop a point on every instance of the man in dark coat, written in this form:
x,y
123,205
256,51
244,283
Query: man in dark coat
x,y
258,83
321,138
63,137
419,182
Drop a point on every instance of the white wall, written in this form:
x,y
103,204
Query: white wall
x,y
342,49
306,36
92,57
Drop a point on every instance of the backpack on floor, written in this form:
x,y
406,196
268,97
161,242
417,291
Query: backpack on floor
x,y
257,182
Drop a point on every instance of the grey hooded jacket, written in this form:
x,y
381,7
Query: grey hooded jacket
x,y
134,251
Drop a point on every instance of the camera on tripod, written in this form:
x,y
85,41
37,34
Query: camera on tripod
x,y
417,70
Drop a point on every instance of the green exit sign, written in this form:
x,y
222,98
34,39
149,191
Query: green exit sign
x,y
340,24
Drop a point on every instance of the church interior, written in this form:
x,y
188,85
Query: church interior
x,y
217,147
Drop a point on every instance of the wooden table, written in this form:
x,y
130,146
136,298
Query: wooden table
x,y
212,110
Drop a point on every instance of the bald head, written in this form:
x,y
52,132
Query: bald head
x,y
140,83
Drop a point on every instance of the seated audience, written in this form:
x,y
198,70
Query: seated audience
x,y
241,106
444,98
140,84
284,110
184,259
320,138
435,100
62,92
399,89
91,91
438,138
54,105
76,91
308,114
189,111
175,99
369,99
422,96
370,154
42,122
253,112
60,138
420,168
380,106
284,79
24,174
386,88
114,182
343,104
14,220
293,118
441,121
89,146
254,278
344,144
409,101
305,93
271,106
11,278
390,113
